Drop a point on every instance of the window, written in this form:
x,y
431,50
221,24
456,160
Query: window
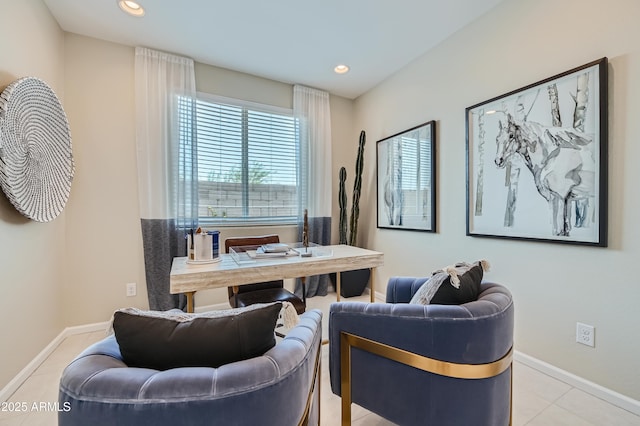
x,y
247,159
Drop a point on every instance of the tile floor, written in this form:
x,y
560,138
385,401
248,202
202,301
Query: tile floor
x,y
539,400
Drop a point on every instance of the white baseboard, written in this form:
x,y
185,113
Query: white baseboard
x,y
577,382
27,371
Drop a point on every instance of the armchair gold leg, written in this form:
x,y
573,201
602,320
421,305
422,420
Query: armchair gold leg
x,y
320,388
511,397
304,421
443,368
345,378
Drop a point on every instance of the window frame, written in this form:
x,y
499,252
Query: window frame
x,y
257,221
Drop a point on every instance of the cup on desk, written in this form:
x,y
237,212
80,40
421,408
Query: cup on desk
x,y
204,246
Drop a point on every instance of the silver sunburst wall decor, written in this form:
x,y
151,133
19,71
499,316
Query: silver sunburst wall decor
x,y
36,159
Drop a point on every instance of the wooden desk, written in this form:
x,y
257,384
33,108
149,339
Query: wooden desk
x,y
188,279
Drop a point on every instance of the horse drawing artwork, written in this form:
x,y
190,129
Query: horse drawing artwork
x,y
562,162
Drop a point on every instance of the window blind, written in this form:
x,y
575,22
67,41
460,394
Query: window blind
x,y
247,161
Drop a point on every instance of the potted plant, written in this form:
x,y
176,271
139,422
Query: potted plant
x,y
352,283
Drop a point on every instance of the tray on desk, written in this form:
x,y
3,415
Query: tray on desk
x,y
251,254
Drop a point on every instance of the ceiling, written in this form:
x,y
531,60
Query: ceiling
x,y
292,41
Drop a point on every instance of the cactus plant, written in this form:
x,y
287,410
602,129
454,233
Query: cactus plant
x,y
355,204
342,202
353,283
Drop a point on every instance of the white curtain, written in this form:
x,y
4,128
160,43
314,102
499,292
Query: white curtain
x,y
167,175
312,109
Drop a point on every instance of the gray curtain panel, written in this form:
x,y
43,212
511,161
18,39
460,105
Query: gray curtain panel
x,y
319,233
162,242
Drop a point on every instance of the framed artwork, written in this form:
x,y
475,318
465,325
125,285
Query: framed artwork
x,y
406,192
537,160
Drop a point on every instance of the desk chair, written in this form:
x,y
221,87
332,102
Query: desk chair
x,y
266,292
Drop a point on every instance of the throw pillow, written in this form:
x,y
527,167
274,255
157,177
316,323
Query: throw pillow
x,y
452,285
164,340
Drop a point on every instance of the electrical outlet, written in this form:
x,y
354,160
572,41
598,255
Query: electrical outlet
x,y
585,334
131,289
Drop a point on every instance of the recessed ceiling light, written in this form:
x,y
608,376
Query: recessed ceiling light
x,y
131,7
341,69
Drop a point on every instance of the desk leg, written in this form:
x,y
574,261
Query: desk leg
x,y
338,286
372,281
235,290
189,295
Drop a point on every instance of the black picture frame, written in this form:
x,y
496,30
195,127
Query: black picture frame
x,y
406,179
536,160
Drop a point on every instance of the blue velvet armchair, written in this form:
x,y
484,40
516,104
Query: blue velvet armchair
x,y
425,365
278,388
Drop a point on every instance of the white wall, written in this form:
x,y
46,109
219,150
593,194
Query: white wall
x,y
104,243
554,285
104,240
31,254
73,270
